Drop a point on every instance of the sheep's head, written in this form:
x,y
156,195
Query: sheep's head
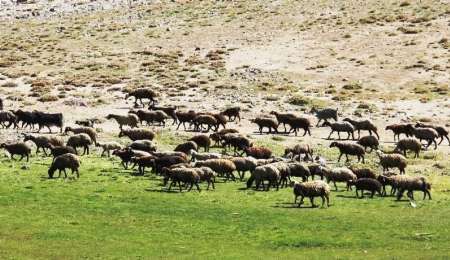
x,y
27,137
109,116
50,172
2,145
333,144
313,110
67,129
121,133
287,152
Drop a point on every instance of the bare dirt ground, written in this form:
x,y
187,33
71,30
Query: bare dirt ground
x,y
384,60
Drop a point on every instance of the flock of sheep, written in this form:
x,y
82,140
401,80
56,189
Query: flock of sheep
x,y
187,167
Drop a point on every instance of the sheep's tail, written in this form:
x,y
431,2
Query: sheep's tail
x,y
250,181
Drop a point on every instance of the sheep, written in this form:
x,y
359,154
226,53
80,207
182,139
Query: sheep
x,y
244,164
223,167
87,130
170,111
185,117
63,162
203,156
87,122
442,132
340,127
126,155
202,120
151,116
43,142
80,140
142,162
392,161
20,148
167,161
428,134
398,129
298,150
367,125
170,153
27,118
340,175
325,114
232,113
7,117
202,141
316,169
179,175
258,152
137,134
406,144
218,136
221,120
130,120
369,141
142,93
60,150
282,119
294,169
363,172
262,173
296,123
349,149
368,184
237,141
208,175
108,146
266,122
387,180
412,183
186,147
143,145
311,189
48,120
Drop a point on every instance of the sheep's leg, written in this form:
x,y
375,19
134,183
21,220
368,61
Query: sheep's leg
x,y
335,186
376,133
435,144
339,135
329,136
318,122
21,157
357,195
179,185
346,156
312,202
373,193
301,201
170,186
359,134
49,129
425,193
400,194
198,187
339,158
65,173
295,199
28,157
323,200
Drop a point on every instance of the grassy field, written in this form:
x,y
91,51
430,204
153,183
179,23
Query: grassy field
x,y
109,213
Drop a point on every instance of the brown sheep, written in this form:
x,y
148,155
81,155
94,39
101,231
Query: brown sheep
x,y
266,122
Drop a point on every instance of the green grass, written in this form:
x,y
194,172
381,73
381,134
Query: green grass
x,y
109,213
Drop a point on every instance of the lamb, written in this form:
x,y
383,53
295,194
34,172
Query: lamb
x,y
48,120
232,113
60,150
223,167
363,172
108,146
130,120
325,114
63,162
368,184
266,122
428,134
349,149
202,122
137,134
367,125
143,145
298,150
195,156
297,123
311,189
262,173
282,119
186,147
408,144
392,161
7,117
369,141
87,130
340,175
387,180
21,149
244,164
170,111
151,116
258,152
218,136
185,117
43,142
80,140
340,127
399,129
142,93
179,175
202,141
412,183
442,132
